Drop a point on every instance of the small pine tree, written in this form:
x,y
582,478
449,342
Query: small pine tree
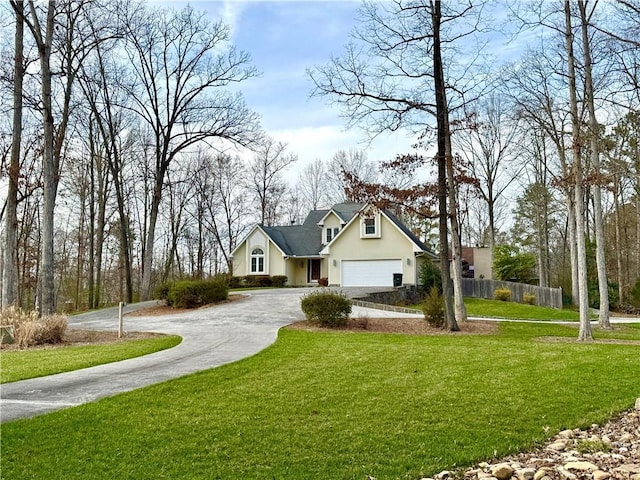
x,y
433,308
429,277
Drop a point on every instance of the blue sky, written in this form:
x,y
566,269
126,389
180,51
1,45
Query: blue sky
x,y
285,38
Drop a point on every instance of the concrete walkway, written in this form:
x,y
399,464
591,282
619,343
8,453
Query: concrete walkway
x,y
211,337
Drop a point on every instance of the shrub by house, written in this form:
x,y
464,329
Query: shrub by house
x,y
326,308
194,293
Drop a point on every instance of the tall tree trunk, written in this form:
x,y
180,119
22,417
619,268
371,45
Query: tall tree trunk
x,y
81,242
573,247
584,333
102,206
543,219
47,301
603,283
571,221
458,300
147,260
442,121
10,261
618,237
92,222
125,245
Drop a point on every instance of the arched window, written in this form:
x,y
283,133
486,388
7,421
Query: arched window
x,y
257,260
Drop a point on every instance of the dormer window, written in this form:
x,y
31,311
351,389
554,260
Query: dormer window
x,y
370,227
331,234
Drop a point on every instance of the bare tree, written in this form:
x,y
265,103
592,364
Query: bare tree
x,y
220,204
179,194
536,86
627,22
405,41
584,333
10,263
43,36
106,143
351,162
266,183
312,185
489,146
181,63
57,27
594,143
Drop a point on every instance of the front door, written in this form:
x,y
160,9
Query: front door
x,y
314,270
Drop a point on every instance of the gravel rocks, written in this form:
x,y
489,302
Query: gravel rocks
x,y
611,451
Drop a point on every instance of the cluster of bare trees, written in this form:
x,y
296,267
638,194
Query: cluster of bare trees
x,y
130,156
552,128
113,105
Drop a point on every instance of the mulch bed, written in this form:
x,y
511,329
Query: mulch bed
x,y
408,326
78,337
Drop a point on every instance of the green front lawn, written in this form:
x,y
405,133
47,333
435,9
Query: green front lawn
x,y
480,307
339,406
23,364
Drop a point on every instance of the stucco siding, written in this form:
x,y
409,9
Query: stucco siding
x,y
290,270
240,261
276,261
392,244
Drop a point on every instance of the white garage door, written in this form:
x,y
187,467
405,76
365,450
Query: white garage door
x,y
369,273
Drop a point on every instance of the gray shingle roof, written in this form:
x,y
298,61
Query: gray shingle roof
x,y
296,240
346,211
306,240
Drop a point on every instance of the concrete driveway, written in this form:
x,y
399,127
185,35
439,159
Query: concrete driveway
x,y
211,337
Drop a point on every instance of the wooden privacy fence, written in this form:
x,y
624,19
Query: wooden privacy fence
x,y
482,288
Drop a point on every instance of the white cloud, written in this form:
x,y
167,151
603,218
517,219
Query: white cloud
x,y
324,141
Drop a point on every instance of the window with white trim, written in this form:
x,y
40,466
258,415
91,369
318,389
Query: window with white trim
x,y
331,233
257,260
370,229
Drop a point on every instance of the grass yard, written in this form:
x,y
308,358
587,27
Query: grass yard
x,y
23,364
339,406
480,307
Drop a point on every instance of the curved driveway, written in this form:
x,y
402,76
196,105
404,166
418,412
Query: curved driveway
x,y
211,337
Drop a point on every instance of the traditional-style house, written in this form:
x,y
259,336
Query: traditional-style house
x,y
350,245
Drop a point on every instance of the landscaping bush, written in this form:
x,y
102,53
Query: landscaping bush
x,y
326,308
503,294
278,280
235,282
162,291
433,308
429,276
258,281
195,293
323,282
29,330
529,298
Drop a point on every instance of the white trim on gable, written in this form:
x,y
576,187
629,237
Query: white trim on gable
x,y
248,235
380,213
342,221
